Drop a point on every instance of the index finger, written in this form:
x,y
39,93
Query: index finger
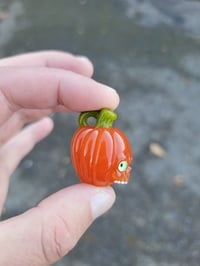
x,y
43,88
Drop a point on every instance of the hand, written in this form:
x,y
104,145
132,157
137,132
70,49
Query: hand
x,y
31,87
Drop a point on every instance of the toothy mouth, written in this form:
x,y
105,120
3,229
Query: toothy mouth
x,y
121,182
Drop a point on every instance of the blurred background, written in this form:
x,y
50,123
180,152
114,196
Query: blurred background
x,y
149,50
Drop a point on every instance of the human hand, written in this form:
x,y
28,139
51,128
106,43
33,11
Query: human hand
x,y
33,86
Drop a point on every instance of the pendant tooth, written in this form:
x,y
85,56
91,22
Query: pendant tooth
x,y
121,182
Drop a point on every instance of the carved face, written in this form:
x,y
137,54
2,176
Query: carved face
x,y
101,156
122,174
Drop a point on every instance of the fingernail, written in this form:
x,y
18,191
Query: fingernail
x,y
88,66
112,94
102,201
111,89
83,58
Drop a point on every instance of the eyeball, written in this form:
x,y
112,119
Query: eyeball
x,y
123,165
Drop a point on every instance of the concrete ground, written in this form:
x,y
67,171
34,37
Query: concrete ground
x,y
149,51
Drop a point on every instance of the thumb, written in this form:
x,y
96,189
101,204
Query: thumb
x,y
46,233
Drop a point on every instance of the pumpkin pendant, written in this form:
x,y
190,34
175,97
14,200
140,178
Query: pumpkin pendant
x,y
101,155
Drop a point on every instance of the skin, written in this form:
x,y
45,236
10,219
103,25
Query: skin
x,y
47,232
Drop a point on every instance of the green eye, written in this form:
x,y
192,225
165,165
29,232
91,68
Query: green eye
x,y
123,165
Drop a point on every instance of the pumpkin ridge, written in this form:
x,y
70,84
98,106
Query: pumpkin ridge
x,y
111,178
78,140
89,153
102,162
96,156
81,154
75,148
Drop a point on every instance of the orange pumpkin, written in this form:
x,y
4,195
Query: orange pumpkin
x,y
101,155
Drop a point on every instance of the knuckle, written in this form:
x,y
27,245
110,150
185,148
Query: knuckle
x,y
56,239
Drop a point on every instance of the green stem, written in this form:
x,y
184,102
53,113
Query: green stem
x,y
104,118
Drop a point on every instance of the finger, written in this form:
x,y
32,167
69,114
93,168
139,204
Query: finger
x,y
52,59
13,125
46,233
14,150
50,89
17,121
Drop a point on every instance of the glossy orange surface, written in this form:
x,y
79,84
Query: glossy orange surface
x,y
101,156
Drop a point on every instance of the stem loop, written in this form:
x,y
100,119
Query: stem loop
x,y
104,118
